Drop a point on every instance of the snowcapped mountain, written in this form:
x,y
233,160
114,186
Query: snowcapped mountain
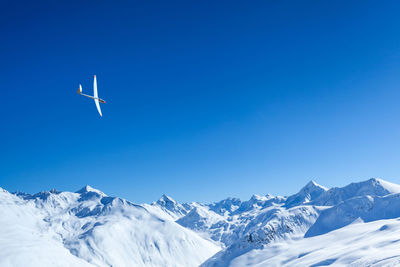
x,y
26,239
371,187
365,208
359,244
226,206
308,193
314,227
90,228
171,207
305,223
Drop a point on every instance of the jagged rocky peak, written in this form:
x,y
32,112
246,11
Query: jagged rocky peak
x,y
43,195
168,203
171,206
227,205
309,192
54,191
256,197
269,196
87,189
313,186
166,200
256,201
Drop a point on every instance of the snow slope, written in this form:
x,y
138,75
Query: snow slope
x,y
371,187
307,194
90,227
356,225
168,207
26,240
316,217
363,208
360,244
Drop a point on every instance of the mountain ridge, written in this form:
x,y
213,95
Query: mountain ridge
x,y
87,227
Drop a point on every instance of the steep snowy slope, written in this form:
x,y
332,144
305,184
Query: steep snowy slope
x,y
225,222
357,224
106,231
307,194
371,187
360,244
26,240
226,206
270,225
257,202
260,218
362,208
200,218
169,207
312,211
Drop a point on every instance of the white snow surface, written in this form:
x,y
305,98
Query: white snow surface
x,y
90,228
316,227
354,225
359,244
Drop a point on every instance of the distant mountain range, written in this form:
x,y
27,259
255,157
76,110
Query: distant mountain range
x,y
355,225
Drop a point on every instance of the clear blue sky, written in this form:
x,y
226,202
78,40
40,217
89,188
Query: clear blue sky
x,y
205,99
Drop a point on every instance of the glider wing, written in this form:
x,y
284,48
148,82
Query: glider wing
x,y
95,87
98,106
96,97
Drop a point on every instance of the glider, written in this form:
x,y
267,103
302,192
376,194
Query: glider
x,y
95,97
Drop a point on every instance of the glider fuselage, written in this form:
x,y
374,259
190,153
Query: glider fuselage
x,y
92,97
95,96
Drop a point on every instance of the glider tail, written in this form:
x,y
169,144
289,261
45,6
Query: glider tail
x,y
80,89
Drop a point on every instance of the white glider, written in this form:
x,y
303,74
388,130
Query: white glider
x,y
95,97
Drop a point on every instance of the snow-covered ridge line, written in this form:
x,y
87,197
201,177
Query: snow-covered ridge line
x,y
87,227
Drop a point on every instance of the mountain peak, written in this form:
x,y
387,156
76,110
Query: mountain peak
x,y
256,198
54,191
380,187
228,205
313,185
166,201
269,196
390,187
371,187
87,188
171,206
164,197
309,192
